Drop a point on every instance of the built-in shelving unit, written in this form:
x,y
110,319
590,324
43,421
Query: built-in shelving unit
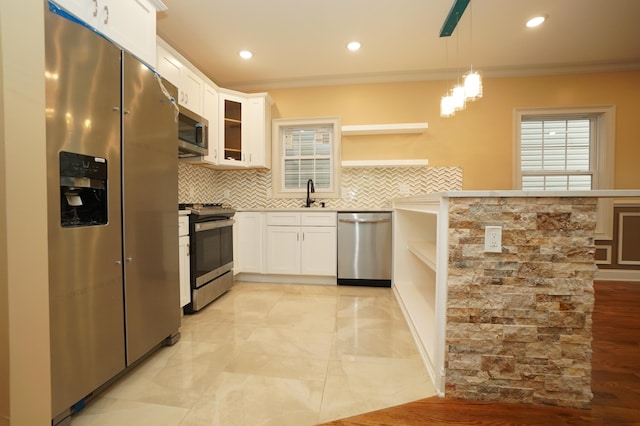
x,y
386,163
425,251
420,255
384,129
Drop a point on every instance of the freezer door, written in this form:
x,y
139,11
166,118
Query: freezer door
x,y
82,81
150,165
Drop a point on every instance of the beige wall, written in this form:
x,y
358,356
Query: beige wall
x,y
4,284
480,139
24,291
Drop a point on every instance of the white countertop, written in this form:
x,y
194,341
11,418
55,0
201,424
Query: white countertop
x,y
317,209
186,212
601,193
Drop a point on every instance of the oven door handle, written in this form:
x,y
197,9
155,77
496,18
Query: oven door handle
x,y
206,226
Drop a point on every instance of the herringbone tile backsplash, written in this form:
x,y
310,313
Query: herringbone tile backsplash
x,y
361,187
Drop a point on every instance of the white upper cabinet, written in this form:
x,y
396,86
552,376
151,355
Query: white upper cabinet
x,y
210,111
239,123
231,132
190,85
129,23
257,125
245,130
190,90
167,65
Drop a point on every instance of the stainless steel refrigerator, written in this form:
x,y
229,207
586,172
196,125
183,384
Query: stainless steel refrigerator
x,y
112,210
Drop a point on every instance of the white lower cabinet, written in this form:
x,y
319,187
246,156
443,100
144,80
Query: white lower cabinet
x,y
318,251
185,266
293,248
283,249
249,229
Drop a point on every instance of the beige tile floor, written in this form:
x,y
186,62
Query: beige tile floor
x,y
273,354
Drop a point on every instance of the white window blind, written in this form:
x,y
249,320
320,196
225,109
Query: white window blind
x,y
307,154
557,153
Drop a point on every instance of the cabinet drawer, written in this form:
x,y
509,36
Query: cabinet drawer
x,y
183,225
283,219
319,219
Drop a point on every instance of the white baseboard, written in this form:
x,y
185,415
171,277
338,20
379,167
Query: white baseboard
x,y
618,275
286,279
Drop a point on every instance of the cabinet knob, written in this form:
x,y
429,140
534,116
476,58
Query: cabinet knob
x,y
188,249
95,9
106,15
118,262
129,259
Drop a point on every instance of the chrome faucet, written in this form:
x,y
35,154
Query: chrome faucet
x,y
310,189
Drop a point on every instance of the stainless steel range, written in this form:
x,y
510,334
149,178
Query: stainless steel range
x,y
211,242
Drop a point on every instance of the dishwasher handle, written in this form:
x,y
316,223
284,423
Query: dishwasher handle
x,y
344,220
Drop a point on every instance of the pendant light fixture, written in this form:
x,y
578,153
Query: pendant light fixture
x,y
472,79
446,106
457,93
471,87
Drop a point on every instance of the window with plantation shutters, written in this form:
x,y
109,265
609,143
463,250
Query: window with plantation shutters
x,y
306,154
306,149
567,148
557,153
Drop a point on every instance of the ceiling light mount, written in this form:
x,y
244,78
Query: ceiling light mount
x,y
353,46
536,21
453,17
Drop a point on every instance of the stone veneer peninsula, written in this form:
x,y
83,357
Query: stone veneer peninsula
x,y
512,326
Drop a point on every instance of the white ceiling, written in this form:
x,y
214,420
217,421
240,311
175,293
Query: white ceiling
x,y
303,42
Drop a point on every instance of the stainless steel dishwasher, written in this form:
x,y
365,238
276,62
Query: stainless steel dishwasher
x,y
364,249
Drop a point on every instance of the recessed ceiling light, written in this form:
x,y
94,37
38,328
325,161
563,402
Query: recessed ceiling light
x,y
534,22
245,54
353,46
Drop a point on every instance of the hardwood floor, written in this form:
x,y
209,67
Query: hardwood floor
x,y
615,383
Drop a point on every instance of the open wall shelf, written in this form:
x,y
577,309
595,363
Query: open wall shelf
x,y
384,129
385,163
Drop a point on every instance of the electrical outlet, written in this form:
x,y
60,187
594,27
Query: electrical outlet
x,y
493,239
227,194
192,194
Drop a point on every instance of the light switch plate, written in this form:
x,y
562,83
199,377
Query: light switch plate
x,y
493,239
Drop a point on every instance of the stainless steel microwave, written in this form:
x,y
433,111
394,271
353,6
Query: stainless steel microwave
x,y
193,134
